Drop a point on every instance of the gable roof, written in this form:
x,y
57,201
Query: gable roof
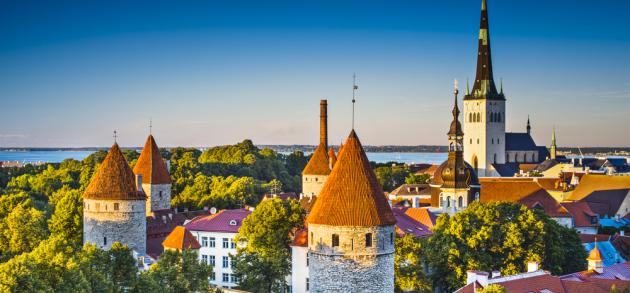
x,y
412,189
114,179
151,165
581,212
352,196
422,215
227,221
542,199
606,202
592,182
519,142
318,164
407,225
181,238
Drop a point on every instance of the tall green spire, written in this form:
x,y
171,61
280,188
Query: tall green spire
x,y
552,149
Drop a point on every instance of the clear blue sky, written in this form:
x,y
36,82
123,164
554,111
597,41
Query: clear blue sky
x,y
213,72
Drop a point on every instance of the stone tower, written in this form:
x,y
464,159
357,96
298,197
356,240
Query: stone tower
x,y
484,110
114,205
351,229
156,181
318,168
455,184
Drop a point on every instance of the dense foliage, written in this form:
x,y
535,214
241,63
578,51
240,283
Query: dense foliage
x,y
500,236
410,265
391,175
263,258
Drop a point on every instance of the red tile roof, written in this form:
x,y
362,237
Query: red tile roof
x,y
318,164
114,179
151,164
533,284
422,215
590,238
506,189
352,196
581,213
542,199
332,157
181,238
228,221
407,225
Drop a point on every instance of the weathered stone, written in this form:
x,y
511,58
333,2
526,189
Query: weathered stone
x,y
109,221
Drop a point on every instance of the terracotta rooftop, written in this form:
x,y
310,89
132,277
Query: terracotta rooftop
x,y
151,164
181,238
506,189
543,200
590,183
422,215
408,225
352,196
581,212
114,179
318,164
228,221
590,238
332,157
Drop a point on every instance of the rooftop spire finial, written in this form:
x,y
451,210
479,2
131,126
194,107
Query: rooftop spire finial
x,y
150,125
467,88
483,5
529,126
501,85
115,136
355,87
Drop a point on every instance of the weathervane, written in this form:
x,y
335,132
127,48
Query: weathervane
x,y
150,125
456,85
355,87
115,137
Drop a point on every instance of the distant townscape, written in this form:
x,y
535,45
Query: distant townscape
x,y
502,213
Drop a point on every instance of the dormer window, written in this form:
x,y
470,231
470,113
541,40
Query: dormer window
x,y
232,222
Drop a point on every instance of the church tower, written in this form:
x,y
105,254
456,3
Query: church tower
x,y
484,110
351,229
552,148
156,181
318,168
114,205
455,184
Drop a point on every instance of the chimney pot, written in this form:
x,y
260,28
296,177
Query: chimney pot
x,y
532,266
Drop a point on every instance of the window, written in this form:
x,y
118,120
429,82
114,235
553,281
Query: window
x,y
211,243
495,158
448,201
471,141
368,240
460,201
335,240
391,238
211,260
233,278
204,258
493,141
232,244
226,262
160,194
97,206
212,276
204,241
311,238
104,240
226,243
477,141
307,261
116,206
226,278
307,284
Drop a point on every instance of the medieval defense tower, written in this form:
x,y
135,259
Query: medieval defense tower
x,y
156,181
351,229
114,205
484,110
318,168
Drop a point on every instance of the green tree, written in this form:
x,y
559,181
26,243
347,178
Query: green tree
x,y
392,176
67,219
176,272
263,257
22,230
409,265
492,288
499,236
417,179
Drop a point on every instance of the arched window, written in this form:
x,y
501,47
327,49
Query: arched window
x,y
492,140
495,158
475,163
470,117
471,141
335,240
460,201
448,201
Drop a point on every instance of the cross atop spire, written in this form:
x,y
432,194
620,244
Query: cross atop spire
x,y
115,136
150,125
483,86
355,87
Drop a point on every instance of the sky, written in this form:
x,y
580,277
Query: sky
x,y
217,72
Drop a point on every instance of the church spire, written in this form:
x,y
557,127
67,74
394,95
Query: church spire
x,y
552,149
483,86
529,126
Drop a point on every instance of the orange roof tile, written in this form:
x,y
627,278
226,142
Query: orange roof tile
x,y
114,179
332,157
542,199
422,215
181,238
590,183
506,189
352,196
151,165
318,164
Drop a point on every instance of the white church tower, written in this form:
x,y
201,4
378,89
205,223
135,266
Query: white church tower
x,y
484,111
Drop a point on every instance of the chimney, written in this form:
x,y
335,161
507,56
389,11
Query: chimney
x,y
477,276
323,123
532,266
139,182
496,274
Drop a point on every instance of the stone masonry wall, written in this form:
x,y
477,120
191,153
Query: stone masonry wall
x,y
103,224
155,202
312,184
351,267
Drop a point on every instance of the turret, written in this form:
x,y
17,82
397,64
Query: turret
x,y
594,259
156,180
318,167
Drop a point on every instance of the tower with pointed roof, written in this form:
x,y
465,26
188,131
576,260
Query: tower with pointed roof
x,y
594,260
114,205
484,110
156,181
455,184
351,229
552,148
318,167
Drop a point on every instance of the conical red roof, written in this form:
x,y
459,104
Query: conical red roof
x,y
114,179
318,164
351,195
180,238
332,158
151,165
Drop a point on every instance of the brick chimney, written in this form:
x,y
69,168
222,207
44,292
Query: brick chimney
x,y
323,123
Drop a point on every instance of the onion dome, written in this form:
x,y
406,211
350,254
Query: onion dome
x,y
352,196
114,179
595,254
446,176
180,238
151,165
332,158
318,164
